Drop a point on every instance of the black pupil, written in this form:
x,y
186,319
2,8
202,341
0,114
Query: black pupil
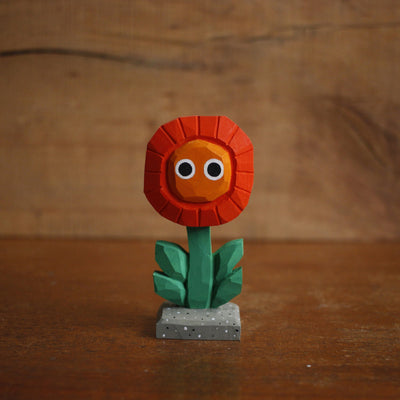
x,y
185,169
214,169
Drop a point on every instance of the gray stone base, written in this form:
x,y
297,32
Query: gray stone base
x,y
222,323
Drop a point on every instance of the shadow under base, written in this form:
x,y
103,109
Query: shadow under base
x,y
222,323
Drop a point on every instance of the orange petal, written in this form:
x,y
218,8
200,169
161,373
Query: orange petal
x,y
189,218
244,162
228,211
208,126
174,129
189,125
153,162
152,181
240,197
244,180
209,217
171,212
160,143
226,129
156,200
240,142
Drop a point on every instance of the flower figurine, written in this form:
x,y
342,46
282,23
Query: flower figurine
x,y
199,173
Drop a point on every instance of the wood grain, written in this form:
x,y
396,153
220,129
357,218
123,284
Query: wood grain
x,y
319,321
84,85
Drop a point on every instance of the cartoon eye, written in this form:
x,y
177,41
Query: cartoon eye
x,y
185,168
214,169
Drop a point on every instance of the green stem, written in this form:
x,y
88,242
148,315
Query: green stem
x,y
201,270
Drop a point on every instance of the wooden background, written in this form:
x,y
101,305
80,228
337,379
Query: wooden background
x,y
315,84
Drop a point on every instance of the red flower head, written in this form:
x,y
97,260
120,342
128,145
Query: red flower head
x,y
199,170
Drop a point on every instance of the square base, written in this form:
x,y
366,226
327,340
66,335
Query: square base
x,y
222,323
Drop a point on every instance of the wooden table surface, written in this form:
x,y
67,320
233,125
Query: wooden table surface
x,y
319,321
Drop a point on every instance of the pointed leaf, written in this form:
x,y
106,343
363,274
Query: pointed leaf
x,y
230,287
169,288
226,257
172,259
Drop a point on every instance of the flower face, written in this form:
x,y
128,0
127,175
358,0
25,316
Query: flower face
x,y
199,170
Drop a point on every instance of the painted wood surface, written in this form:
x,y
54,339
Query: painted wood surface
x,y
85,84
319,321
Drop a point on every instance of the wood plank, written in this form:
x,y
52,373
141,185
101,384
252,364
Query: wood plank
x,y
320,321
85,84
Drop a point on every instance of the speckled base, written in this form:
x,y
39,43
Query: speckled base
x,y
222,323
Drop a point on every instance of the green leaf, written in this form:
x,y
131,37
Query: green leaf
x,y
226,257
172,259
169,288
230,287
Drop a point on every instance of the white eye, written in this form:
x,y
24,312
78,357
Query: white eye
x,y
214,169
185,168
